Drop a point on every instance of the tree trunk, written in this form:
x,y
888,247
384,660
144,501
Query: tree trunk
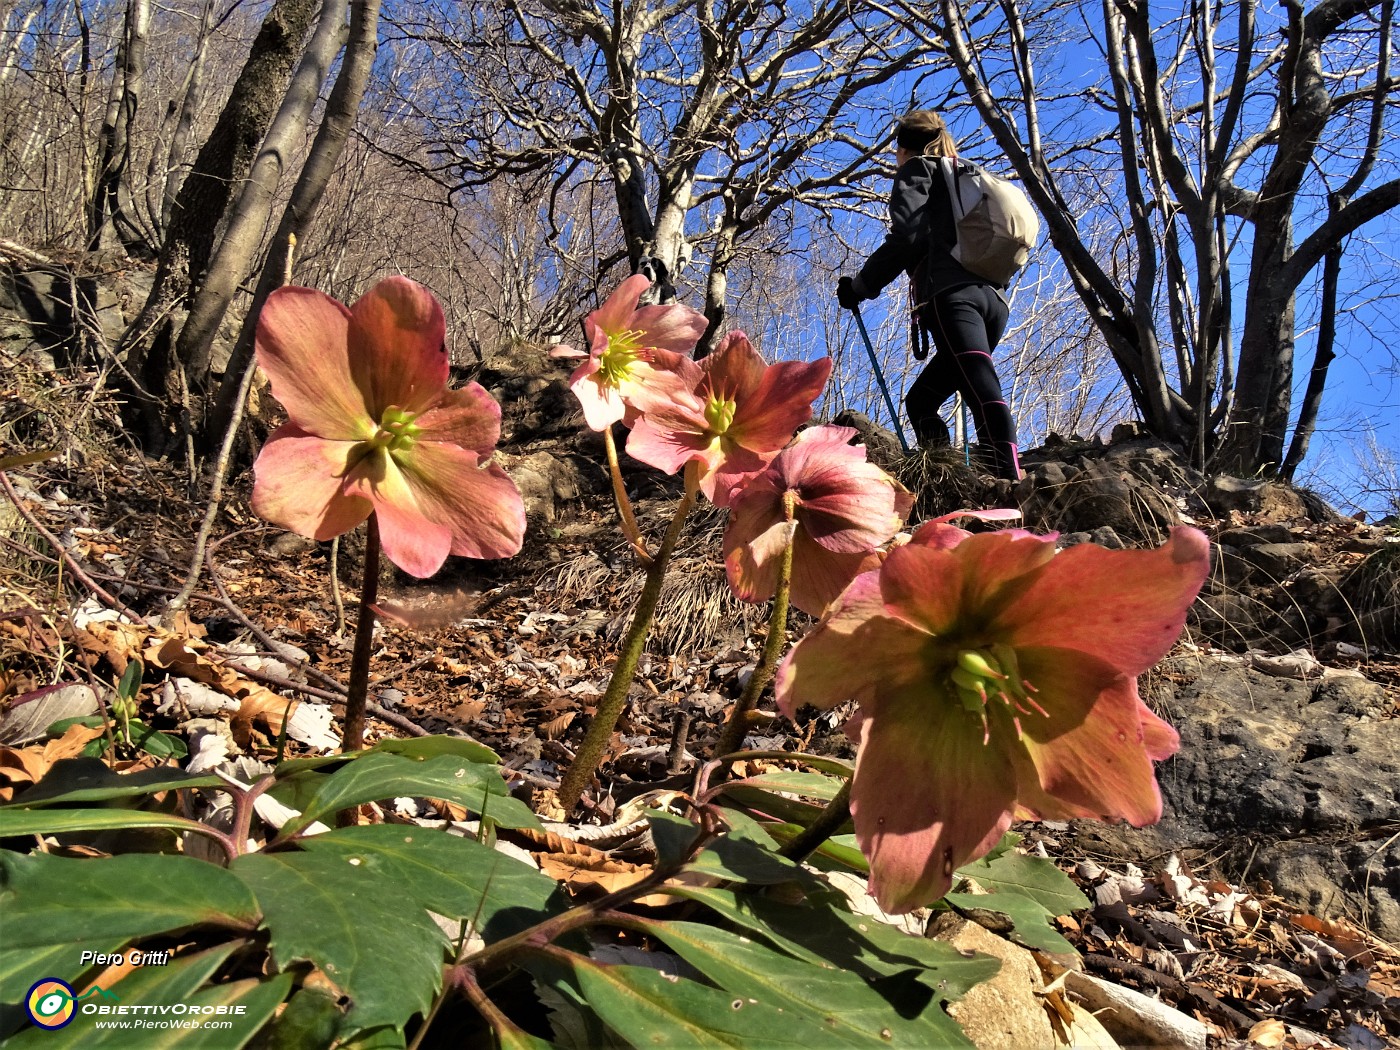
x,y
228,153
233,258
1322,361
326,150
183,116
111,197
199,209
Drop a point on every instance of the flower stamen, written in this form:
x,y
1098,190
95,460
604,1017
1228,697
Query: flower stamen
x,y
623,350
980,676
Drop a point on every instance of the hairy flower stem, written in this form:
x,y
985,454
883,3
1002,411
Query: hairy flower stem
x,y
630,528
828,822
357,691
732,737
595,741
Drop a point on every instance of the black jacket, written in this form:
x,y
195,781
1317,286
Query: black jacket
x,y
922,233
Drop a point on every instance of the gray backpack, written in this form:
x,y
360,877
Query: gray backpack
x,y
997,226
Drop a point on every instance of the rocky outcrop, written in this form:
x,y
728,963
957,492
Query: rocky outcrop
x,y
50,309
1291,780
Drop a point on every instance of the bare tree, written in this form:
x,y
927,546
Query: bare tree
x,y
1212,135
111,198
707,118
326,151
201,208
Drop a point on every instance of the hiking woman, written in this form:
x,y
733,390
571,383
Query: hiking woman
x,y
962,313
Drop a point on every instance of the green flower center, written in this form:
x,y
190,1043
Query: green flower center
x,y
719,414
397,432
616,360
980,677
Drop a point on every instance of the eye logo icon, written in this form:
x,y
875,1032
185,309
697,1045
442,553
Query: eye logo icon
x,y
50,1003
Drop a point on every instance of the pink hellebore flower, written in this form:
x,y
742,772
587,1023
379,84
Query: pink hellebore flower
x,y
737,417
633,354
372,428
844,507
995,678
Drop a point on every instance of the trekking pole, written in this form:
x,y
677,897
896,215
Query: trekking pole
x,y
880,378
960,431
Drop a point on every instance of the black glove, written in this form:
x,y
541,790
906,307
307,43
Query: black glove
x,y
846,293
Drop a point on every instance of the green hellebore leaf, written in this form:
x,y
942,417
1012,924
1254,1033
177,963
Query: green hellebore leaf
x,y
55,900
89,780
348,918
899,1009
650,1008
450,875
58,821
1013,915
381,775
1033,877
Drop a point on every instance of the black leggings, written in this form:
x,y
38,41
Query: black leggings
x,y
966,324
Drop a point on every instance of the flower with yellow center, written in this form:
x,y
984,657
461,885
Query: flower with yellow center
x,y
372,428
994,677
735,418
634,355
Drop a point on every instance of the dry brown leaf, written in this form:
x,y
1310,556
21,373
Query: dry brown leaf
x,y
24,766
1343,936
1269,1032
71,743
557,727
597,874
469,710
19,769
187,658
1075,1026
259,705
450,810
181,624
552,842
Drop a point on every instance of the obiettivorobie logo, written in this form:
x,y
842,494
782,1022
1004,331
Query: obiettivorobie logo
x,y
51,1003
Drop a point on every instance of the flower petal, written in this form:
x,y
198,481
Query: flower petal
x,y
659,379
734,370
754,540
943,588
1090,749
1126,607
469,417
615,315
832,664
1159,738
765,420
670,437
410,539
928,795
670,327
302,345
753,566
298,484
601,402
728,469
848,504
434,500
397,352
480,504
819,576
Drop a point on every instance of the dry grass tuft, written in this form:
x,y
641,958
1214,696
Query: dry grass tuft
x,y
943,482
1373,588
697,610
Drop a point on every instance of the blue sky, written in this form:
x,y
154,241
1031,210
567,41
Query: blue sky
x,y
1361,404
